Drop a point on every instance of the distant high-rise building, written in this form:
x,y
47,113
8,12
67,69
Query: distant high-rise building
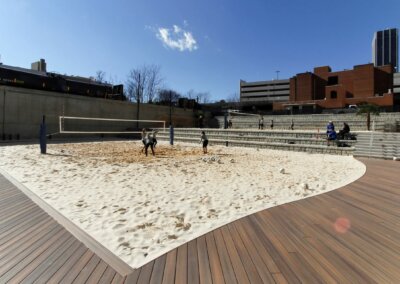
x,y
39,65
385,48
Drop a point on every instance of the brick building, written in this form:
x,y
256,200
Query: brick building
x,y
331,90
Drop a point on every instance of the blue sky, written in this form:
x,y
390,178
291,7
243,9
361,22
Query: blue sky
x,y
207,46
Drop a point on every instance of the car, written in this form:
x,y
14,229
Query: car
x,y
352,107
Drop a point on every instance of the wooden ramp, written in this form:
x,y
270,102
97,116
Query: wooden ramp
x,y
350,235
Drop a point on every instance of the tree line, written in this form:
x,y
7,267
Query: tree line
x,y
146,84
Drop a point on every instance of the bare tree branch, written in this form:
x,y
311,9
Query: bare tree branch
x,y
191,94
200,97
143,83
135,85
100,76
233,98
167,96
154,82
203,97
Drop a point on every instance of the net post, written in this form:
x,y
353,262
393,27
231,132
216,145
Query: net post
x,y
171,135
42,136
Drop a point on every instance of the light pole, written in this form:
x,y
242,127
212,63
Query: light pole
x,y
277,74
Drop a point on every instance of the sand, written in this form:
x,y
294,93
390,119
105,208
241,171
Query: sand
x,y
141,207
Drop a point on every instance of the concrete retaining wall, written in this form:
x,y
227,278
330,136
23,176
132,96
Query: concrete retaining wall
x,y
21,111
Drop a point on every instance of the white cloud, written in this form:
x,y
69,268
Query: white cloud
x,y
177,38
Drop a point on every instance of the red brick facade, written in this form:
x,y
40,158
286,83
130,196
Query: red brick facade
x,y
327,89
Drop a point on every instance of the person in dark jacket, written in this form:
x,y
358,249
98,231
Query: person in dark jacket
x,y
204,139
344,130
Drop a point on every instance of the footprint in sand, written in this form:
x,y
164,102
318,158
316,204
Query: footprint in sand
x,y
124,244
212,213
80,203
118,226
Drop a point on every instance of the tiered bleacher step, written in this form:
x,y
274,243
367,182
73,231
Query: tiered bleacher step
x,y
301,141
382,145
382,122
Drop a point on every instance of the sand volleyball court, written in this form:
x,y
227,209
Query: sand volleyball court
x,y
141,207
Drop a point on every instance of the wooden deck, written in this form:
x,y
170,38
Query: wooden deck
x,y
34,248
350,235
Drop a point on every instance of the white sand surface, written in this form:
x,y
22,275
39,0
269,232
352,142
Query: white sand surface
x,y
141,207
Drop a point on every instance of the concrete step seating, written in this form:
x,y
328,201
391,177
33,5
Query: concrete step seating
x,y
378,145
382,122
302,141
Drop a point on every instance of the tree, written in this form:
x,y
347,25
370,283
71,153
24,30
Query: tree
x,y
367,109
142,84
153,83
200,97
233,98
135,86
191,94
203,97
168,97
100,76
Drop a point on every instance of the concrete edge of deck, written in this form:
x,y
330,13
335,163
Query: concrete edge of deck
x,y
114,261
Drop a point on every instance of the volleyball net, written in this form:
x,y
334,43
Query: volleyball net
x,y
90,125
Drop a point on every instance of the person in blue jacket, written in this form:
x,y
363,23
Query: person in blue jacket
x,y
330,132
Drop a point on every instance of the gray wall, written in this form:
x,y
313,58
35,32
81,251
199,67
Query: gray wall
x,y
21,111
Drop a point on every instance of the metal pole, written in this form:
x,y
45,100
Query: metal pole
x,y
43,138
171,135
4,115
138,102
170,108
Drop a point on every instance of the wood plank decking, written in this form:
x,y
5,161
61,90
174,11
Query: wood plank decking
x,y
34,248
350,235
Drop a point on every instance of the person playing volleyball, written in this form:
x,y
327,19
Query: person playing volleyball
x,y
149,142
204,139
154,136
144,136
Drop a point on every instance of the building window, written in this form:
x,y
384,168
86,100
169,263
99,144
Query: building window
x,y
333,80
333,95
349,95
